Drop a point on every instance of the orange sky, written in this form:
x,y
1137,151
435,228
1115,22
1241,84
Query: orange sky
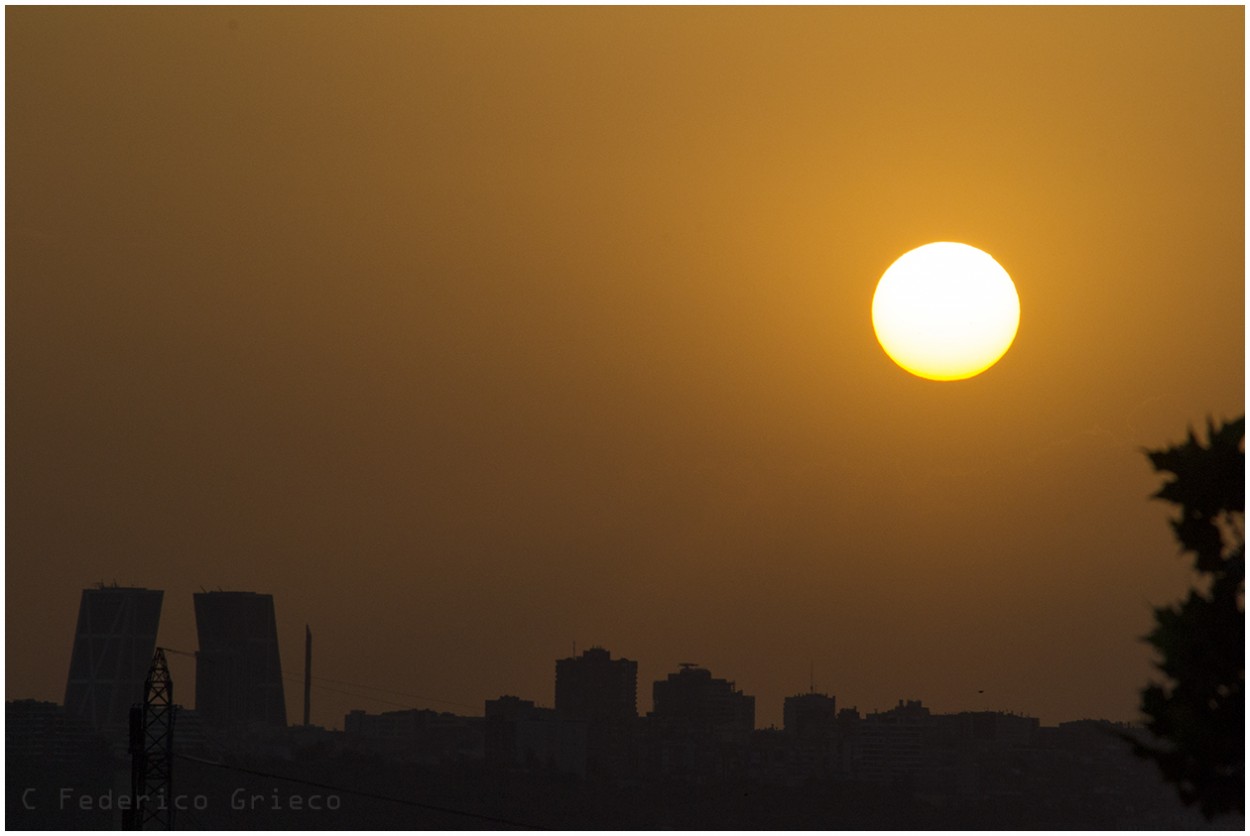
x,y
470,333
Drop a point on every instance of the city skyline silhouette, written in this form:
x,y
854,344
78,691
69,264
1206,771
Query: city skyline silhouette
x,y
590,747
244,677
288,683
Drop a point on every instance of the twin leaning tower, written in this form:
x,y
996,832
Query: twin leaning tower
x,y
238,674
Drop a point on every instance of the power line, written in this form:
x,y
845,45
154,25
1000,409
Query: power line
x,y
364,794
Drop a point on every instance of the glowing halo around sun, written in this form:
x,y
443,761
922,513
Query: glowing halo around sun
x,y
945,311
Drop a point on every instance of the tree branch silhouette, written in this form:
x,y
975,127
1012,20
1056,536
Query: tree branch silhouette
x,y
1197,713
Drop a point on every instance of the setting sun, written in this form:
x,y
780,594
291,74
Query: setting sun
x,y
945,311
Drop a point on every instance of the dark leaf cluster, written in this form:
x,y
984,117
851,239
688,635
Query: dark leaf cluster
x,y
1198,713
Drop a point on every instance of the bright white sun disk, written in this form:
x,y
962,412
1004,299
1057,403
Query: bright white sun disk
x,y
945,311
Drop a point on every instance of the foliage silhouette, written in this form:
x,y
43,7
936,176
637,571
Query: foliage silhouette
x,y
1198,713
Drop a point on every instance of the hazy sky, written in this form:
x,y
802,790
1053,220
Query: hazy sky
x,y
471,333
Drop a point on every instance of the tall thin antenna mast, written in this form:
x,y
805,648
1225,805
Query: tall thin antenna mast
x,y
307,673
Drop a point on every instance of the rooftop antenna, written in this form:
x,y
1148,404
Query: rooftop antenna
x,y
811,677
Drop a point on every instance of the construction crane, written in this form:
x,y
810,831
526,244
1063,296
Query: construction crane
x,y
152,752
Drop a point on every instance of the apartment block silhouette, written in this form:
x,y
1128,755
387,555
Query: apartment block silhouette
x,y
602,692
810,715
594,686
693,697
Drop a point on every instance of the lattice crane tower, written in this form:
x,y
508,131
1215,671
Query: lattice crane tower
x,y
152,752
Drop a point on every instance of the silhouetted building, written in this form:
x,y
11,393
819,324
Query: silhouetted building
x,y
594,686
846,733
1093,735
985,728
238,673
810,715
891,743
603,693
692,697
780,758
113,647
190,734
520,735
808,748
47,754
699,729
415,735
41,732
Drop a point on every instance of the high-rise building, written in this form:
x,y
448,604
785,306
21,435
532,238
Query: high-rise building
x,y
238,673
700,728
692,697
596,687
113,647
603,693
